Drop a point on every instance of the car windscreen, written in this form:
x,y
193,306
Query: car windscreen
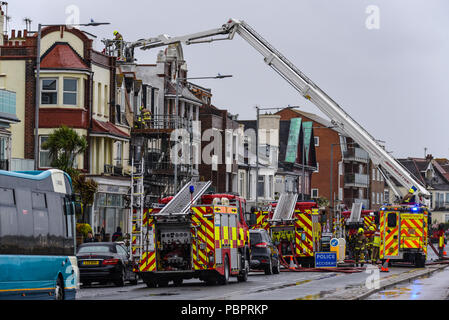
x,y
95,249
255,238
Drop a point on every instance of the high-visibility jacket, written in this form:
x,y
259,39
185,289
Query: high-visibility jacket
x,y
376,242
441,241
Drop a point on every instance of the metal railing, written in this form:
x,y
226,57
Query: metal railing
x,y
356,179
356,154
165,122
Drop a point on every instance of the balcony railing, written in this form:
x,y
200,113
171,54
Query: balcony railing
x,y
356,154
356,180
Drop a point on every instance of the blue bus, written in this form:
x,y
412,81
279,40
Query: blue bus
x,y
37,236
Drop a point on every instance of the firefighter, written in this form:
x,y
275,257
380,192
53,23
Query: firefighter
x,y
376,246
118,44
370,242
441,240
360,247
146,116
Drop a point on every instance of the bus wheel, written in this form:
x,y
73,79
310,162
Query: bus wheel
x,y
59,289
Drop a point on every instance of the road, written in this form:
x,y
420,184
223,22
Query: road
x,y
284,286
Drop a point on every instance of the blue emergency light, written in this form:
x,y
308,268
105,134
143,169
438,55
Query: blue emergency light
x,y
192,189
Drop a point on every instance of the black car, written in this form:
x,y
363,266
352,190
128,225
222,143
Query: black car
x,y
105,262
264,255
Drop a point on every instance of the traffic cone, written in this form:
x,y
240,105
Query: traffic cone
x,y
292,264
384,267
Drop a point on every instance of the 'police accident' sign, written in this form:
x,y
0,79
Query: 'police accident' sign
x,y
325,260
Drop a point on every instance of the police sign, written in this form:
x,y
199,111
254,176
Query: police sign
x,y
325,260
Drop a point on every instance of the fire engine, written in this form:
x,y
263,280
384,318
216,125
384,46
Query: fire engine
x,y
294,228
192,235
382,160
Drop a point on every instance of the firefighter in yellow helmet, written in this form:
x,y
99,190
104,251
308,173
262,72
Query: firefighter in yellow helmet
x,y
360,247
118,44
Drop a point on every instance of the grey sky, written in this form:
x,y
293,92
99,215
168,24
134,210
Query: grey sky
x,y
394,81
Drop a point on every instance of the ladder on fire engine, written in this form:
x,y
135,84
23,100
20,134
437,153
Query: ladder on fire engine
x,y
180,204
137,207
285,207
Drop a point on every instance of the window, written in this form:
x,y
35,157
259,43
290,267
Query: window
x,y
49,91
118,155
44,155
314,193
391,220
39,200
7,197
70,91
270,186
317,141
261,186
374,174
317,168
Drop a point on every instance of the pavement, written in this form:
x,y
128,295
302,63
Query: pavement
x,y
365,290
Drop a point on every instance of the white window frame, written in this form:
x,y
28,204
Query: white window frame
x,y
314,191
316,141
317,168
52,91
43,151
71,92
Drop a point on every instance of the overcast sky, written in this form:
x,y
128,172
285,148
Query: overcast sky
x,y
393,80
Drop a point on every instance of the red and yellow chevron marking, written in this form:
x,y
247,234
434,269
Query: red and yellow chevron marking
x,y
369,221
261,222
382,234
148,262
411,230
392,240
304,248
146,215
203,236
425,234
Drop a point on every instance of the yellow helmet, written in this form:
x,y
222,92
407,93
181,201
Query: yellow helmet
x,y
371,228
361,230
115,32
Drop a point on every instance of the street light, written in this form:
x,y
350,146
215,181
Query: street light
x,y
218,76
38,70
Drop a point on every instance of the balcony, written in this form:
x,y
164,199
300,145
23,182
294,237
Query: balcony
x,y
162,124
356,154
357,180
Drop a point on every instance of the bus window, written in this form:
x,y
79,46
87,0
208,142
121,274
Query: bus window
x,y
68,213
40,223
7,196
39,200
8,230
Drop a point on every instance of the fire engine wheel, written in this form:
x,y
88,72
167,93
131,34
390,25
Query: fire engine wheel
x,y
269,268
243,276
224,279
162,283
151,284
277,267
178,282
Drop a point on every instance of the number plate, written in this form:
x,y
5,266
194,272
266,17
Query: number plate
x,y
91,263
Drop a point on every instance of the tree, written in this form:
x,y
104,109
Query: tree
x,y
64,144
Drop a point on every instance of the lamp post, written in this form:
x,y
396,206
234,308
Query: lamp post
x,y
38,70
178,80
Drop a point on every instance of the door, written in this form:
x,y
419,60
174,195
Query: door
x,y
392,226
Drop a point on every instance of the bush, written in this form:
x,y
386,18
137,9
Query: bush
x,y
83,228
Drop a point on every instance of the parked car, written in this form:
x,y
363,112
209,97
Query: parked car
x,y
264,255
105,262
326,242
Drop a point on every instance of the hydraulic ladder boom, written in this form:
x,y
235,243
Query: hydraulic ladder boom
x,y
305,86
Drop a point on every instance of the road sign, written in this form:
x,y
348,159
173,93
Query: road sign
x,y
334,242
325,260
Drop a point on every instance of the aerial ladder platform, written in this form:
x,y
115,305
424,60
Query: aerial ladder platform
x,y
183,200
285,207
